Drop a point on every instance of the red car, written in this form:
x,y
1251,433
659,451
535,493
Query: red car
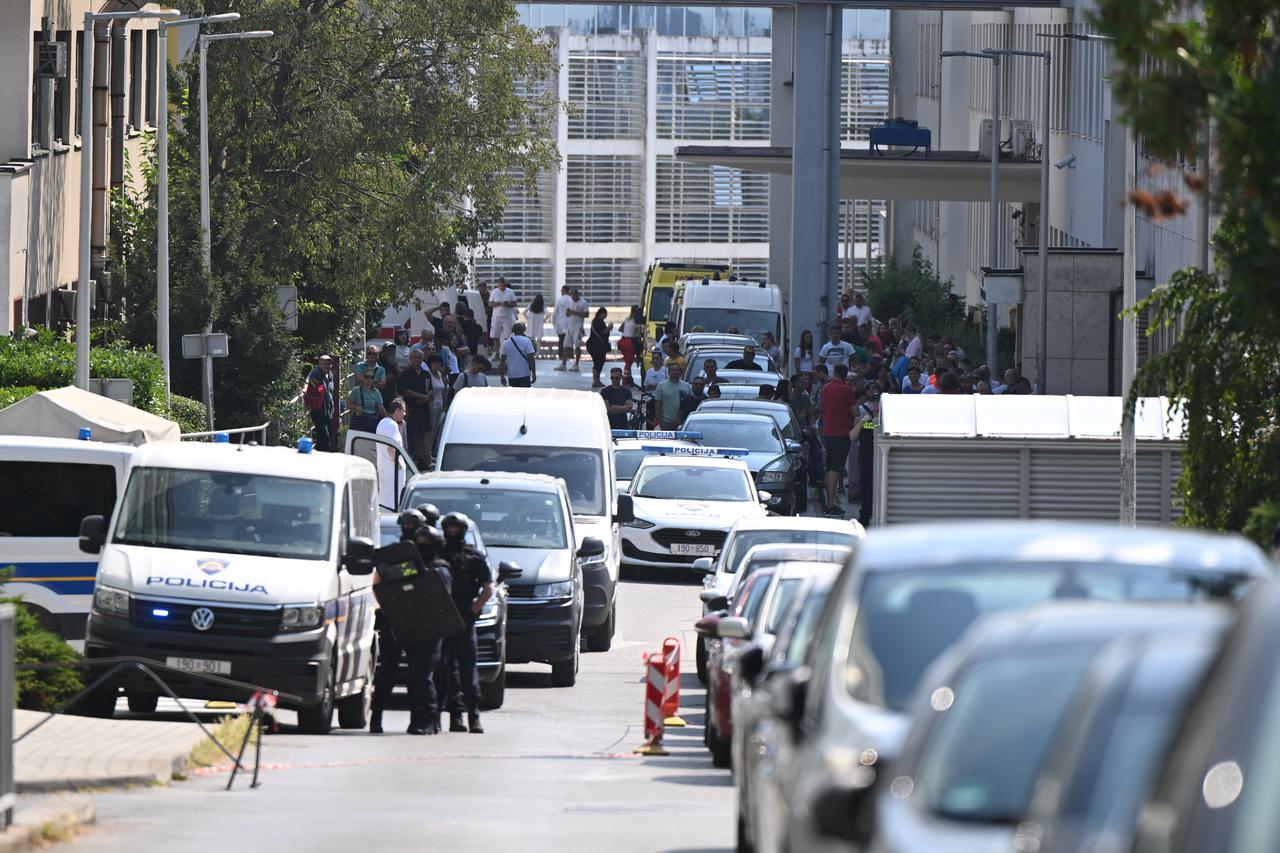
x,y
718,732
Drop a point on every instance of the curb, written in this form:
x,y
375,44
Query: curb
x,y
45,822
160,772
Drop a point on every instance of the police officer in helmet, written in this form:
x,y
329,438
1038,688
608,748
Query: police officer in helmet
x,y
472,587
430,514
424,655
389,648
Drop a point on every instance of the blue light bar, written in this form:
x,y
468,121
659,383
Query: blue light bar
x,y
678,435
160,613
708,452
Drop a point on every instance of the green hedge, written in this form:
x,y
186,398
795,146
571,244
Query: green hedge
x,y
46,361
189,414
42,690
9,396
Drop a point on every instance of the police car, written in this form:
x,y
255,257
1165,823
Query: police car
x,y
629,450
685,500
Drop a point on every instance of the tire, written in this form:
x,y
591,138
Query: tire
x,y
802,496
720,748
743,843
601,638
493,693
564,673
101,703
317,718
700,658
353,710
143,703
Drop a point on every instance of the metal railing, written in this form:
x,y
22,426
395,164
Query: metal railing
x,y
240,431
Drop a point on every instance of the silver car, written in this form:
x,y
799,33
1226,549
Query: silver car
x,y
912,591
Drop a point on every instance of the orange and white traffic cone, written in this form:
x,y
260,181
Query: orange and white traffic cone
x,y
654,686
671,689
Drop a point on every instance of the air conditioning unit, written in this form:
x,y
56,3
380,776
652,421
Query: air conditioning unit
x,y
1020,134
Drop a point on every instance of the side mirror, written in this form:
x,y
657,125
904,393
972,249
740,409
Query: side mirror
x,y
705,565
591,547
93,533
788,697
751,664
793,446
509,571
764,497
713,600
847,813
733,628
626,511
359,557
706,626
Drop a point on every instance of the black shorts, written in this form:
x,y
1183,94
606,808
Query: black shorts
x,y
837,450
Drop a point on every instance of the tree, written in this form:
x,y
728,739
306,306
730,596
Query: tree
x,y
352,155
1176,74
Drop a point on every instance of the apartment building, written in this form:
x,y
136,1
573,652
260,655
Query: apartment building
x,y
40,134
642,81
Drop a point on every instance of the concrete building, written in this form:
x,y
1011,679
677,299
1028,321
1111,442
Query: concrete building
x,y
641,82
40,132
1088,189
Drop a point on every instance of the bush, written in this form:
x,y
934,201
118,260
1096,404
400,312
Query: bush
x,y
9,396
189,414
42,690
47,361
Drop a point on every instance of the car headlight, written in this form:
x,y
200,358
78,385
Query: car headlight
x,y
639,524
301,617
114,602
563,589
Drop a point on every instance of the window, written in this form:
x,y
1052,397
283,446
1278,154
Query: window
x,y
607,91
710,204
672,482
604,199
713,97
154,69
864,100
581,469
136,79
52,498
38,117
508,518
363,513
79,65
605,281
527,218
62,104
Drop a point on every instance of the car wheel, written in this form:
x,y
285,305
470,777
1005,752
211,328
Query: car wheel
x,y
317,718
143,703
601,638
100,703
719,747
564,673
353,710
743,844
493,693
700,658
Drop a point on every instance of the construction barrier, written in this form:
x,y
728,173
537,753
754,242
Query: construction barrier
x,y
671,687
655,684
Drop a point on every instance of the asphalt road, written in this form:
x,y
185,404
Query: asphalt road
x,y
555,770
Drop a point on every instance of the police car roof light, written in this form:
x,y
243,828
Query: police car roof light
x,y
707,452
85,433
678,435
221,438
305,445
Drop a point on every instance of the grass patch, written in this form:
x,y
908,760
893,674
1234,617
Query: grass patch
x,y
52,832
229,731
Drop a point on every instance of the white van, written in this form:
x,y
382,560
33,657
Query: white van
x,y
416,310
50,484
752,308
249,563
563,434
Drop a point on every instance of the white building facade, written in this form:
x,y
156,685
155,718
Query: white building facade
x,y
640,82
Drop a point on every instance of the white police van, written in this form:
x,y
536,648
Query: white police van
x,y
249,563
49,485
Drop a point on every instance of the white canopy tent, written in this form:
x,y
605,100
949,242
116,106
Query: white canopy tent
x,y
62,412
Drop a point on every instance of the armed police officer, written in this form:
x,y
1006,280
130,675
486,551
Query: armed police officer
x,y
472,587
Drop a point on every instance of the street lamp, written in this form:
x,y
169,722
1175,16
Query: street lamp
x,y
83,294
205,246
993,219
162,189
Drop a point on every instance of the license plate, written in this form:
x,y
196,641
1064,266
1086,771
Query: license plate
x,y
201,665
693,550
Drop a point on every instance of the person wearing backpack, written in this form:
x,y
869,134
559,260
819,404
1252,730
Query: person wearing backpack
x,y
517,364
317,395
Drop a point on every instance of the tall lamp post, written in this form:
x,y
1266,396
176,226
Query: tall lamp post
x,y
162,188
993,219
84,289
206,256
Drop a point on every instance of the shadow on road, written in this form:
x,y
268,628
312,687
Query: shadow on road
x,y
660,577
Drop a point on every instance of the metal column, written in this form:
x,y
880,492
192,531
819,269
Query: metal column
x,y
781,128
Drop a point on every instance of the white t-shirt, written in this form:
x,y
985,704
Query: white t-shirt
x,y
388,463
574,326
914,347
862,315
630,328
653,376
836,353
503,301
514,351
806,359
560,314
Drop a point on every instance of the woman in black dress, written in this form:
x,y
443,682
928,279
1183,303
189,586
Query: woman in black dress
x,y
598,345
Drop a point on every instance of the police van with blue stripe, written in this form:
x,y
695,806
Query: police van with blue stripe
x,y
249,563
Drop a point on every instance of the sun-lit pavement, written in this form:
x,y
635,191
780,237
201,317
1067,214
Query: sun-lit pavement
x,y
555,770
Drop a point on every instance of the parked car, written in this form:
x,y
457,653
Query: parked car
x,y
769,455
912,591
1217,785
791,433
988,714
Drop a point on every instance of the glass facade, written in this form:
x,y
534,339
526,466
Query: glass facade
x,y
688,21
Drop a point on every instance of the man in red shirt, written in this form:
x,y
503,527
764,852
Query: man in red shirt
x,y
837,423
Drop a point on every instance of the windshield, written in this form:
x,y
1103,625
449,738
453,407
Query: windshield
x,y
695,483
748,604
998,723
626,462
743,432
723,359
744,540
796,647
753,323
907,618
226,512
660,304
507,518
781,415
582,470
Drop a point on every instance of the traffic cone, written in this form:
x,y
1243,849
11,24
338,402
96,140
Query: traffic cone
x,y
671,688
654,686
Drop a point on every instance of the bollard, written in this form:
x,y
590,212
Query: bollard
x,y
671,688
654,686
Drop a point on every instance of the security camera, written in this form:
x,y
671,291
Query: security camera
x,y
1068,162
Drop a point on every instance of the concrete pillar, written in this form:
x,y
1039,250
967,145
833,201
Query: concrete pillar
x,y
781,130
815,167
100,78
559,245
649,52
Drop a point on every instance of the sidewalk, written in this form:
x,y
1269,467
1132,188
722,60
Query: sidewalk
x,y
40,819
82,752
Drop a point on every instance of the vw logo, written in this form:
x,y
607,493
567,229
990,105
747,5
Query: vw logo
x,y
693,534
202,618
